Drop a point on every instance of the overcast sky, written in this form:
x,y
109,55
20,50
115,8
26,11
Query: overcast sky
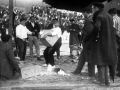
x,y
23,3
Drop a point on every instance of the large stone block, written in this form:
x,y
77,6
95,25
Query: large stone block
x,y
49,40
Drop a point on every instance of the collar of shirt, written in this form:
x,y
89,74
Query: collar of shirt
x,y
33,24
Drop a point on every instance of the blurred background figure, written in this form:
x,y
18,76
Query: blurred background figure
x,y
116,19
74,41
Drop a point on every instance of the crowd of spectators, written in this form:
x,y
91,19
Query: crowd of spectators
x,y
43,15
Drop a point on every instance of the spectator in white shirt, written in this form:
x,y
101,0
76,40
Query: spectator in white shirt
x,y
116,20
49,51
21,35
116,24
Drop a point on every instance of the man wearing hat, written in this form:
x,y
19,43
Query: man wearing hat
x,y
103,48
9,68
21,35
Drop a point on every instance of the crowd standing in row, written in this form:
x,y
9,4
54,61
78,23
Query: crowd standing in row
x,y
98,36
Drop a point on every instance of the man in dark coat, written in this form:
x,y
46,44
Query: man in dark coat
x,y
86,42
104,48
8,66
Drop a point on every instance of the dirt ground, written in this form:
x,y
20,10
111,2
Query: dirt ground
x,y
43,80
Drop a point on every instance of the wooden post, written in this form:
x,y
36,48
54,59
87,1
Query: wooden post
x,y
10,18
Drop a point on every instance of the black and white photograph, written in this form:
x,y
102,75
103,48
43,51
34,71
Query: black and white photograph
x,y
59,44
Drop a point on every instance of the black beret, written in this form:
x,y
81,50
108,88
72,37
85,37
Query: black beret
x,y
5,38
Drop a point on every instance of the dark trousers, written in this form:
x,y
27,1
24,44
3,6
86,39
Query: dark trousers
x,y
58,53
21,48
81,63
49,51
103,73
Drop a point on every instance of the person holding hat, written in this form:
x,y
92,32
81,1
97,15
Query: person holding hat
x,y
86,43
103,48
9,68
21,36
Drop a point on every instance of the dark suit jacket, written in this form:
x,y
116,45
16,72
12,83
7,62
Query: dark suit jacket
x,y
8,64
87,37
35,29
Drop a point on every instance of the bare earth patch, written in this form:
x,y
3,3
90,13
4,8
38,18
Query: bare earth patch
x,y
43,80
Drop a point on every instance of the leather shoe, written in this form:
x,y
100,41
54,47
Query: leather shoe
x,y
107,83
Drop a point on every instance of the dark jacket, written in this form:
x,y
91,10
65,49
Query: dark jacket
x,y
8,64
74,30
87,29
35,29
87,37
104,48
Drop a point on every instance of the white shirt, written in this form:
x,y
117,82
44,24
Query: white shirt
x,y
56,31
33,24
22,31
116,20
